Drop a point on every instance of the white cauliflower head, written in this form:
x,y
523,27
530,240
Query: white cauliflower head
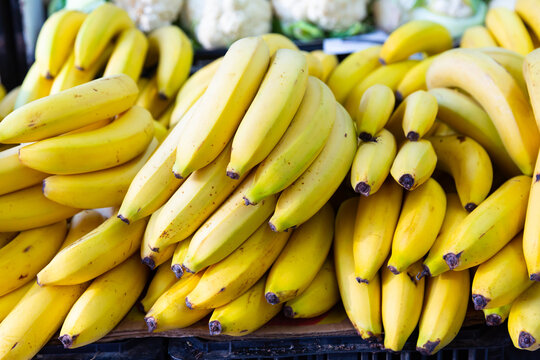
x,y
453,8
151,14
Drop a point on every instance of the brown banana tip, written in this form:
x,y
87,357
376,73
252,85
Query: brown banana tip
x,y
186,269
247,201
425,272
407,181
272,227
151,323
177,175
470,207
375,340
452,260
214,327
43,185
364,136
148,261
48,75
362,188
479,301
428,347
288,312
188,304
413,136
535,277
399,97
123,218
360,280
67,340
382,61
233,175
393,270
163,96
39,284
271,298
525,340
178,270
493,320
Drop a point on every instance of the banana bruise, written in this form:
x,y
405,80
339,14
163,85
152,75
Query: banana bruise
x,y
128,54
376,106
414,164
477,37
508,30
523,321
162,281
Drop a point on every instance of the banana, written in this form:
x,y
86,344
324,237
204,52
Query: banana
x,y
401,305
299,146
245,314
501,279
508,30
420,110
81,224
7,104
352,70
317,184
490,226
498,93
531,232
69,110
270,112
511,61
170,310
319,297
33,87
150,100
10,300
35,319
276,41
528,12
234,275
97,189
109,146
414,164
328,61
465,116
103,304
372,163
523,321
531,69
128,54
314,65
445,306
93,254
414,79
228,227
14,175
389,75
301,259
413,37
97,31
496,316
477,37
6,237
149,257
222,105
469,165
434,263
362,302
178,258
2,92
376,106
376,220
441,129
162,281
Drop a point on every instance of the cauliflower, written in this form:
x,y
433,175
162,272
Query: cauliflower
x,y
151,14
219,23
453,8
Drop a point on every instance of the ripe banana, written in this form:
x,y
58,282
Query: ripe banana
x,y
523,321
419,112
7,104
528,12
317,184
162,281
149,257
314,65
276,41
93,254
150,100
477,37
496,316
299,146
418,225
104,303
69,110
97,31
270,112
414,164
402,298
301,259
511,61
222,105
14,175
128,54
531,69
414,37
490,226
234,275
33,87
531,232
319,297
445,306
328,61
81,224
372,162
414,79
109,146
178,258
508,30
498,93
10,300
376,106
362,302
469,165
228,227
55,41
245,314
97,189
376,220
352,70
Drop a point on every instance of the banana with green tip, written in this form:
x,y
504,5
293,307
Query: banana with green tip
x,y
162,281
33,87
414,164
128,54
10,300
375,109
328,61
14,175
178,258
496,316
7,104
414,79
508,30
524,322
477,37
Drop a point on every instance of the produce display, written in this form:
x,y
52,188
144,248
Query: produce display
x,y
271,181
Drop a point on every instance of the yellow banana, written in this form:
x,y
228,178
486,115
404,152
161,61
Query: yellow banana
x,y
477,37
69,110
376,220
414,164
103,304
402,299
2,92
508,30
414,79
81,224
97,31
97,189
445,306
33,87
420,110
270,112
234,275
299,146
162,281
276,41
10,300
93,254
161,125
376,106
372,162
328,61
245,314
511,61
441,129
128,54
362,302
314,65
496,316
317,184
14,175
414,37
150,100
352,70
524,322
531,232
178,258
7,104
222,106
528,11
228,227
149,257
531,71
